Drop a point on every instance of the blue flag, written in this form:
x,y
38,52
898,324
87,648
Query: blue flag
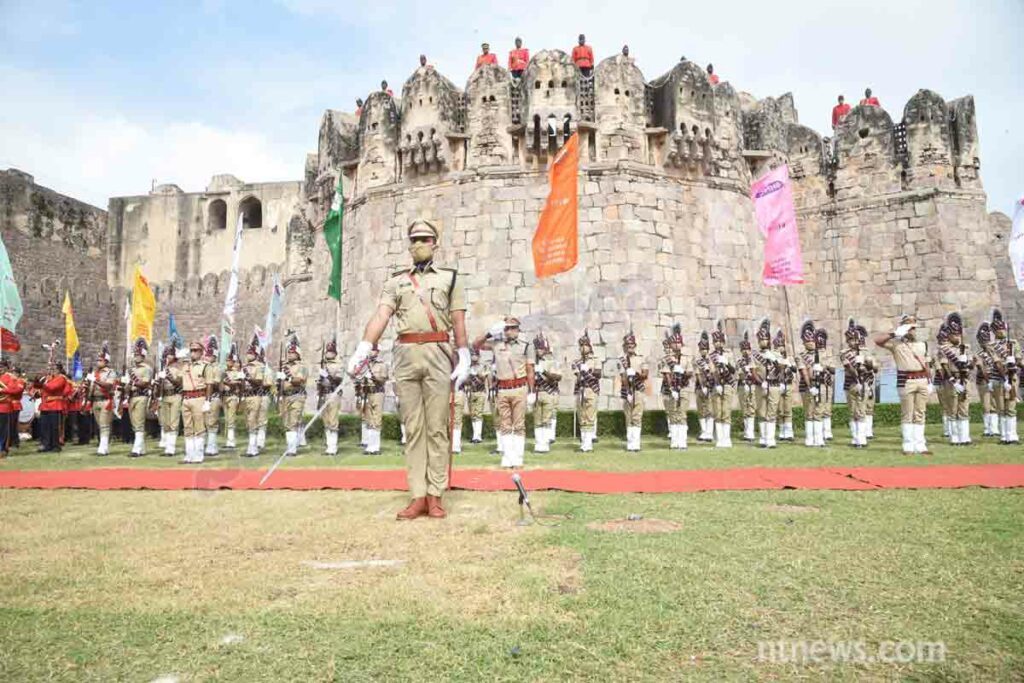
x,y
77,372
172,331
273,312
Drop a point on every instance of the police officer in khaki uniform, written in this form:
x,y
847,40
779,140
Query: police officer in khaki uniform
x,y
587,389
169,411
476,388
255,390
705,385
829,385
957,364
374,382
769,376
232,385
856,384
216,377
292,386
1005,394
747,384
676,372
870,374
723,368
264,403
196,389
139,381
812,386
428,304
787,373
102,385
514,363
633,375
332,372
547,375
912,381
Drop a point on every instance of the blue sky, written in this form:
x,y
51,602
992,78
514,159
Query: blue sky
x,y
101,98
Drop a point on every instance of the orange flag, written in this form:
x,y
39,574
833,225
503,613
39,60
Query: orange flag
x,y
556,242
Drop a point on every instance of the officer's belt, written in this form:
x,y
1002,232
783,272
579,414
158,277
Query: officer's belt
x,y
423,338
198,393
511,383
294,393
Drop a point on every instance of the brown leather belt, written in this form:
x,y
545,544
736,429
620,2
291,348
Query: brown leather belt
x,y
423,338
200,393
511,383
917,374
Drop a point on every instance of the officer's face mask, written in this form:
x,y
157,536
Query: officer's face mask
x,y
421,250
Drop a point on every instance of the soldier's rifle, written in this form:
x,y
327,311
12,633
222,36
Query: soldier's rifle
x,y
623,369
817,373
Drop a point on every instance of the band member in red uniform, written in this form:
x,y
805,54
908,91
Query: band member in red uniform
x,y
54,389
11,387
839,112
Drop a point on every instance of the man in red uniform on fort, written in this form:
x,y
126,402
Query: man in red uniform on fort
x,y
869,100
839,112
54,389
712,76
583,57
486,56
518,58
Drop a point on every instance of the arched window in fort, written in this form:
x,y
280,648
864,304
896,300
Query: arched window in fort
x,y
217,215
536,86
551,83
252,213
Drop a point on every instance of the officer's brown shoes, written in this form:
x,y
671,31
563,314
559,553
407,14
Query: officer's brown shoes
x,y
434,508
417,508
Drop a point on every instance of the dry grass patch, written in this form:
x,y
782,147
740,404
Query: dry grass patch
x,y
637,526
793,509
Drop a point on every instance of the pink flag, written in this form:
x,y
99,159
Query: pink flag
x,y
776,217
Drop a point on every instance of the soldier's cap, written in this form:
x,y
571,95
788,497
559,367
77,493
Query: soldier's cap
x,y
141,348
745,342
943,333
908,319
863,332
677,334
955,322
331,347
852,333
422,228
779,340
998,322
196,345
702,342
984,335
820,337
807,332
764,330
487,45
511,322
104,353
211,346
718,334
233,352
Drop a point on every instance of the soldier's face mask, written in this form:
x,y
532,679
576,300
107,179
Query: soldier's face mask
x,y
421,249
330,355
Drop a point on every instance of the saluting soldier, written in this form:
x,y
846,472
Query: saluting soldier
x,y
232,386
428,303
169,410
514,364
292,378
255,390
855,384
769,376
139,382
957,363
374,381
723,368
705,384
787,374
812,386
912,381
1005,394
547,375
476,395
747,382
633,374
332,372
587,388
196,388
676,371
103,383
212,419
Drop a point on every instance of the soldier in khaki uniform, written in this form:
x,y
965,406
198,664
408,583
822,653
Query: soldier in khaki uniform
x,y
705,385
547,375
676,372
514,362
812,387
256,383
856,384
747,384
869,375
989,419
169,379
829,384
723,368
216,377
196,388
476,388
374,381
102,385
587,389
957,363
232,385
1006,393
633,375
769,377
787,373
912,381
332,372
264,404
139,381
428,303
292,381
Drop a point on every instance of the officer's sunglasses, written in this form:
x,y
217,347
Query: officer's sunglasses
x,y
421,239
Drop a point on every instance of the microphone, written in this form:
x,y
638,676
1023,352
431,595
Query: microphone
x,y
524,499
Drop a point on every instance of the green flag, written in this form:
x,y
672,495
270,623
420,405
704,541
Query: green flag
x,y
332,233
10,300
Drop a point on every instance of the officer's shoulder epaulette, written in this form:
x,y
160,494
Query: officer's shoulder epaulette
x,y
400,273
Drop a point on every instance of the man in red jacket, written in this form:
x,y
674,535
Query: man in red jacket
x,y
869,99
583,57
518,59
54,389
11,388
839,112
485,57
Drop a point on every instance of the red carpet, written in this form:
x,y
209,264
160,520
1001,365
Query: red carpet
x,y
580,481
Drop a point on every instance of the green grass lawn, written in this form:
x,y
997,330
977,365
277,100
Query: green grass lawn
x,y
885,450
221,585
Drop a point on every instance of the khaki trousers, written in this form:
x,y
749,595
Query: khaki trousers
x,y
264,414
252,406
704,404
869,399
960,405
137,407
945,395
424,389
544,410
170,413
512,411
586,405
814,409
104,416
913,401
675,410
212,418
477,402
192,415
231,411
373,410
721,404
332,412
1004,401
785,410
460,410
855,402
985,396
634,412
291,411
768,403
747,399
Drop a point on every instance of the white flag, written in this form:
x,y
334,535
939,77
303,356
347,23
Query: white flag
x,y
232,297
1017,244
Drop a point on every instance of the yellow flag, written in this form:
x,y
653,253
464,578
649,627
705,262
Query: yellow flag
x,y
70,333
143,307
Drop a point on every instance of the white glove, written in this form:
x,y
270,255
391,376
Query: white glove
x,y
675,394
279,376
1007,385
764,385
497,331
323,373
125,379
720,360
816,367
677,368
860,389
858,358
539,367
361,353
206,406
901,331
931,388
719,390
991,385
530,400
631,372
784,390
461,372
584,367
960,388
181,354
814,391
963,358
162,374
